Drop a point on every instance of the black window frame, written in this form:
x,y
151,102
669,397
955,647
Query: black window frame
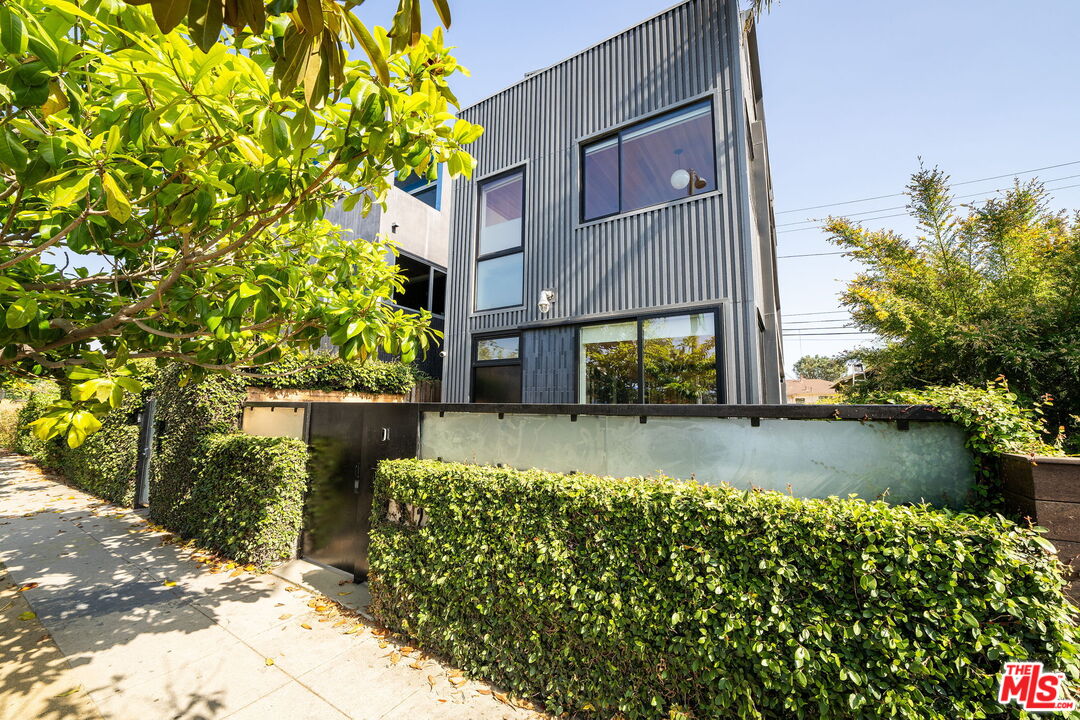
x,y
518,250
435,184
618,133
717,314
432,270
499,362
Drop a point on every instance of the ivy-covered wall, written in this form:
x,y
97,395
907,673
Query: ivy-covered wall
x,y
236,494
652,598
104,465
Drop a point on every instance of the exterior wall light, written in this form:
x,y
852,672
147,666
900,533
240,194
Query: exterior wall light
x,y
547,297
687,180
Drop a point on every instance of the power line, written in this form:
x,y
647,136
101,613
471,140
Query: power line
x,y
819,227
785,257
955,197
900,194
820,312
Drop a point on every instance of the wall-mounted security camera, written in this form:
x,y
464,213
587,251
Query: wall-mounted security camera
x,y
442,353
547,297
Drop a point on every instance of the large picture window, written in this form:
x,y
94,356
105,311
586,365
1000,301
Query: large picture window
x,y
664,360
656,161
499,261
497,370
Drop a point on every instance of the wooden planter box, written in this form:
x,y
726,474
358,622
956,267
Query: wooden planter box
x,y
1047,491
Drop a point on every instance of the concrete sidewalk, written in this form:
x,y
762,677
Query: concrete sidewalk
x,y
126,626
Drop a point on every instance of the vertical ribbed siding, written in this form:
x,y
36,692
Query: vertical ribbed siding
x,y
695,251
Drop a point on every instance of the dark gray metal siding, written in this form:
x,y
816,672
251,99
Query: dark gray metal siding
x,y
693,251
548,365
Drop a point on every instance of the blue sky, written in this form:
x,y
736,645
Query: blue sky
x,y
855,93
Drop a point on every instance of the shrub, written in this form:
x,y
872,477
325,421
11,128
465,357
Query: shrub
x,y
651,597
187,413
37,404
994,422
325,372
248,496
105,464
9,424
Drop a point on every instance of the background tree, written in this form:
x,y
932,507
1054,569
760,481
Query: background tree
x,y
821,367
983,291
158,201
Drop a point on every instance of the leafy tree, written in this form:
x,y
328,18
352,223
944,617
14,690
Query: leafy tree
x,y
159,201
821,367
982,291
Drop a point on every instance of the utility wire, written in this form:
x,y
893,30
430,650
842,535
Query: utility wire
x,y
955,197
900,194
820,312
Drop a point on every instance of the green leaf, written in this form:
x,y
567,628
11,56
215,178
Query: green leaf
x,y
169,13
116,201
12,32
12,153
248,290
21,312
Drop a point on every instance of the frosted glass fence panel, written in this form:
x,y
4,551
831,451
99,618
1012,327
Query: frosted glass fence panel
x,y
274,421
809,458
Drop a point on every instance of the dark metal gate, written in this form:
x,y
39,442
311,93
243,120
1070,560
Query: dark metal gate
x,y
347,441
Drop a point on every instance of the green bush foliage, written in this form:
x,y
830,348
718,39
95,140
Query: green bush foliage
x,y
187,413
651,598
236,494
9,425
104,465
327,372
47,454
248,497
994,421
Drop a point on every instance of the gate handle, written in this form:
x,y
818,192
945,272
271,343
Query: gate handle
x,y
385,434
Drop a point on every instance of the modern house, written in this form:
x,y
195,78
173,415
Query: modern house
x,y
417,219
616,242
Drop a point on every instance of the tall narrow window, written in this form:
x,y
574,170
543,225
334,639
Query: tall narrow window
x,y
497,370
652,162
499,266
665,360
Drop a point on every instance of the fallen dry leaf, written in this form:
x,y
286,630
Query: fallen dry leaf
x,y
502,698
269,661
407,650
72,691
286,616
291,589
417,664
354,629
432,680
343,594
483,691
28,615
305,626
343,582
395,658
28,586
383,643
169,583
458,681
236,573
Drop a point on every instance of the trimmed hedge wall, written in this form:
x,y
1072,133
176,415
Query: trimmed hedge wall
x,y
655,598
103,466
187,413
332,373
247,501
237,494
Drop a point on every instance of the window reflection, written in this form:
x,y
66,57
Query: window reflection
x,y
680,359
649,163
609,364
665,360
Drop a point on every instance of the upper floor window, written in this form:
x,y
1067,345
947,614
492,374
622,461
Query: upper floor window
x,y
424,190
499,257
655,161
424,285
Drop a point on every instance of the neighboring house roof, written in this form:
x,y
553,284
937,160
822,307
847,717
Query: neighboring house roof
x,y
809,387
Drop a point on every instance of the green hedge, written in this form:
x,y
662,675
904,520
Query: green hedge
x,y
652,598
103,466
248,497
236,494
187,413
326,372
